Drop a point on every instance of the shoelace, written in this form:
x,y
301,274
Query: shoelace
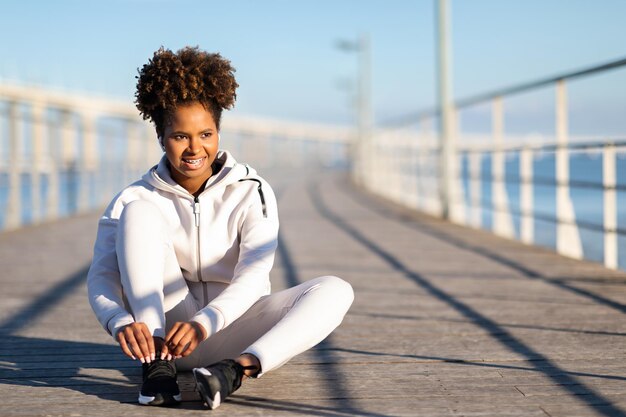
x,y
159,368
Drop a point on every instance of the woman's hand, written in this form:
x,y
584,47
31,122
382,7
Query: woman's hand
x,y
184,337
137,342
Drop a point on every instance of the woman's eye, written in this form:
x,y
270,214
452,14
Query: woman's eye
x,y
207,135
179,137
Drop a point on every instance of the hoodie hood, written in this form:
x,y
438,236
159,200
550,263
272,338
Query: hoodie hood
x,y
229,172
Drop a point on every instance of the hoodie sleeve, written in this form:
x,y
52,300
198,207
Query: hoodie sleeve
x,y
251,280
103,281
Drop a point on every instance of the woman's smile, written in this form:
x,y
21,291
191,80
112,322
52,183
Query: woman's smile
x,y
194,163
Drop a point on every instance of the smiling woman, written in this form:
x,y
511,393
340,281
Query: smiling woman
x,y
180,273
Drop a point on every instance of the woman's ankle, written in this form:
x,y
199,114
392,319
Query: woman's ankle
x,y
250,363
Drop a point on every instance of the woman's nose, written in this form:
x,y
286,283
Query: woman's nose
x,y
195,146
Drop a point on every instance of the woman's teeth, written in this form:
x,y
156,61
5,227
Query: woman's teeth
x,y
192,161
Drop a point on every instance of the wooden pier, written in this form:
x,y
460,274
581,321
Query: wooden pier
x,y
447,321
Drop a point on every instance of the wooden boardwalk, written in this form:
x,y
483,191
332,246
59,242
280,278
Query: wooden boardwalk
x,y
447,321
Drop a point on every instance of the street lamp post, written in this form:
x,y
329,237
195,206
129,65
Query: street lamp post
x,y
362,47
446,112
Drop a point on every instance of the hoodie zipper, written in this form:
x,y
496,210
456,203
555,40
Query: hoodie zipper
x,y
196,215
163,185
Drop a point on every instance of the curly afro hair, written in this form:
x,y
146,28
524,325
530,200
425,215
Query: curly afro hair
x,y
190,75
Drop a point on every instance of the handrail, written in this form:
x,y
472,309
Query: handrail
x,y
541,147
542,181
407,167
58,150
538,215
480,98
540,83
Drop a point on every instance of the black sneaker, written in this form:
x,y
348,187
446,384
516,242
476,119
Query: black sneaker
x,y
159,384
218,381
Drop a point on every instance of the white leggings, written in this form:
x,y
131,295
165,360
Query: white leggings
x,y
276,328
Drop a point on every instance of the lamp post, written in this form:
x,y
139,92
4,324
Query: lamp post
x,y
364,112
446,112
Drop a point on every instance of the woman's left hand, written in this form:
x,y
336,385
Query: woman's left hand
x,y
184,337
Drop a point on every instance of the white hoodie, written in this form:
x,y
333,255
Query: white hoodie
x,y
228,234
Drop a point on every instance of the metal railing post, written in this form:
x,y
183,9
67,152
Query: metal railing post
x,y
567,237
446,108
52,170
38,123
133,150
371,181
68,139
527,226
456,202
89,159
69,160
475,188
413,169
610,207
420,170
372,160
13,215
397,164
502,222
151,149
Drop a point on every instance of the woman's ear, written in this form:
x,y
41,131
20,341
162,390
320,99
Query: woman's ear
x,y
161,142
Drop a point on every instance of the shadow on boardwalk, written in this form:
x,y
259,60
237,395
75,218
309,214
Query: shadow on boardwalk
x,y
38,362
538,362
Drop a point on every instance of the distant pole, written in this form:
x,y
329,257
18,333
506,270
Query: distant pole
x,y
446,109
363,105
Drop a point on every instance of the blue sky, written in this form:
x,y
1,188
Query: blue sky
x,y
288,67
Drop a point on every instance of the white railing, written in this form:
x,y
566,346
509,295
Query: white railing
x,y
402,164
62,154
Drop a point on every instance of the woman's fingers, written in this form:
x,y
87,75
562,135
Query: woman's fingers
x,y
150,340
182,339
170,338
133,345
178,339
172,332
137,342
161,348
142,344
122,341
190,348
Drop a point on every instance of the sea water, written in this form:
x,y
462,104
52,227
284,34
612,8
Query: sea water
x,y
587,202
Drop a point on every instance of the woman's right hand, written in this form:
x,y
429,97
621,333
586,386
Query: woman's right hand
x,y
137,342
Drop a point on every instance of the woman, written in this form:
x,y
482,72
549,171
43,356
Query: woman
x,y
180,273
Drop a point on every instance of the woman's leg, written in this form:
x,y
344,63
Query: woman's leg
x,y
315,313
151,277
154,288
274,330
282,325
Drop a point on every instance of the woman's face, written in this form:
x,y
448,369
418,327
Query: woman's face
x,y
191,144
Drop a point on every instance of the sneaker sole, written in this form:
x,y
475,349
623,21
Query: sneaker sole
x,y
212,403
160,399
